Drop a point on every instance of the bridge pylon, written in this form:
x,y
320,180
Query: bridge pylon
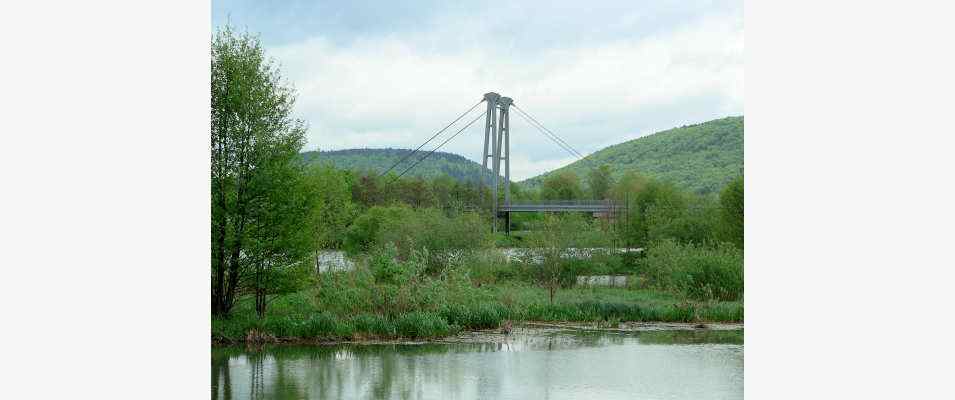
x,y
497,147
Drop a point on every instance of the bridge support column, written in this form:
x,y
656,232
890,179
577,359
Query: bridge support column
x,y
507,222
491,140
497,139
504,132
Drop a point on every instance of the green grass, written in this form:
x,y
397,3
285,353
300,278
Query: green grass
x,y
301,316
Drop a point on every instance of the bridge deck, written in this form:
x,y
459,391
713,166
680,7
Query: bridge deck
x,y
561,206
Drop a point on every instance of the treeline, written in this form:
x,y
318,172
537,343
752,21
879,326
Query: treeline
x,y
377,160
700,158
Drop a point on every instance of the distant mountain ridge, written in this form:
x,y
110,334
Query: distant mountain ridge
x,y
701,158
379,160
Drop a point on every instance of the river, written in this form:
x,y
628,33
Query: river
x,y
530,363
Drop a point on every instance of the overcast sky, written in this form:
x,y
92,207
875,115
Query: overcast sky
x,y
374,74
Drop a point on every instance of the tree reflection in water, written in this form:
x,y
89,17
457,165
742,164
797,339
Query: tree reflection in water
x,y
409,371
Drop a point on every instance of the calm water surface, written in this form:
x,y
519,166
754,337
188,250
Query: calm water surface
x,y
528,364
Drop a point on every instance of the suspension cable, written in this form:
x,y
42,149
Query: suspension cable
x,y
440,145
429,140
547,135
557,139
541,126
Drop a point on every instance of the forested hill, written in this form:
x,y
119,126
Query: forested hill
x,y
379,160
701,158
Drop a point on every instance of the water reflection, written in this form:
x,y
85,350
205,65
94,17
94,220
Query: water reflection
x,y
530,364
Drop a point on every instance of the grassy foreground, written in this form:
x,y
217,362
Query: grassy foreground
x,y
319,316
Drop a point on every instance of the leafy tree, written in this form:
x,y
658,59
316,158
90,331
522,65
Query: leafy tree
x,y
630,184
517,191
414,192
549,245
335,207
731,202
701,272
253,138
657,201
368,190
562,186
600,181
696,223
442,188
282,231
363,233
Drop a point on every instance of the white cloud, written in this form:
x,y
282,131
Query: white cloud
x,y
395,91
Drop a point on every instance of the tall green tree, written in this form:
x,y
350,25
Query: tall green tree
x,y
336,210
555,236
561,186
600,181
282,231
252,134
731,211
698,222
657,202
629,185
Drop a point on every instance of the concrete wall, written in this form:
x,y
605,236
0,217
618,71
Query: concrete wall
x,y
603,280
333,260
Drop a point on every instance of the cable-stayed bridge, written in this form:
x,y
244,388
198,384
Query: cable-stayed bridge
x,y
497,151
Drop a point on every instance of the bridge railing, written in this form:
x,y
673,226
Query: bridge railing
x,y
562,202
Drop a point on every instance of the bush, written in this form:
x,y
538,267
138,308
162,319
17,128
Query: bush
x,y
282,326
319,326
486,267
731,212
702,272
480,316
698,222
420,324
599,263
373,324
443,236
365,230
384,264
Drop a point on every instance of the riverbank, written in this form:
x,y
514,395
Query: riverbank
x,y
704,331
318,316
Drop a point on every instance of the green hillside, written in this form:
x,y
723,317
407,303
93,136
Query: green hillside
x,y
379,160
701,158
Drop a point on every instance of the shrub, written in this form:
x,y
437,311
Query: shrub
x,y
320,326
443,236
697,222
731,212
414,229
599,263
384,264
366,229
374,324
345,293
714,277
480,316
485,267
282,326
420,324
702,272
